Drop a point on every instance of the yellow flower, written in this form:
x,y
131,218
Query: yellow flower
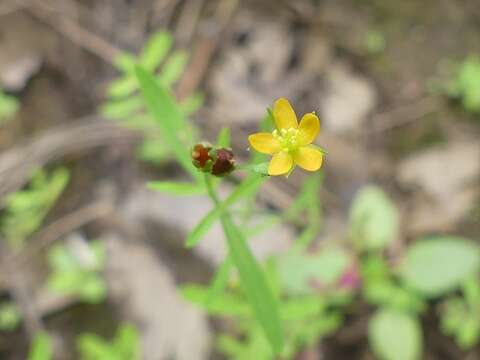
x,y
290,142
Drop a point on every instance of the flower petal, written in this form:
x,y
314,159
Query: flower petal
x,y
264,143
308,158
280,164
284,115
308,129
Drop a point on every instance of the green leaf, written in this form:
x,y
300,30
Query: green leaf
x,y
10,316
468,333
304,307
191,104
93,289
125,346
122,108
395,335
122,87
298,271
155,50
471,291
176,188
92,347
72,276
169,118
223,139
260,169
173,68
220,279
127,343
42,348
66,282
438,265
373,219
8,106
154,150
223,304
125,62
249,186
307,194
264,304
26,209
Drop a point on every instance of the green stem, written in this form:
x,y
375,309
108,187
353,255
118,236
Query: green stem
x,y
210,189
261,298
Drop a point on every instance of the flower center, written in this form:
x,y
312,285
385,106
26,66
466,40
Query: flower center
x,y
288,139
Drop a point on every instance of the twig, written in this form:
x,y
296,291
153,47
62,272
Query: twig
x,y
20,291
15,282
10,7
188,21
17,164
75,32
206,48
61,227
404,114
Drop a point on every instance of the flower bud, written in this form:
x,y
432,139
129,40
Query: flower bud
x,y
224,162
201,158
216,161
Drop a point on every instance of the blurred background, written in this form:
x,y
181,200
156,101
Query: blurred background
x,y
395,84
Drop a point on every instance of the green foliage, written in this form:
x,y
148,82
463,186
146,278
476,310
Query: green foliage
x,y
299,271
176,188
466,84
125,346
460,315
126,105
306,319
395,335
260,296
308,201
382,289
26,209
10,316
254,346
8,107
223,304
224,138
78,272
375,42
169,119
246,188
42,348
373,219
438,265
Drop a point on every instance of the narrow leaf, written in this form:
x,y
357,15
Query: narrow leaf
x,y
169,117
155,50
264,304
176,188
122,87
42,348
122,108
220,280
191,103
125,62
223,139
173,68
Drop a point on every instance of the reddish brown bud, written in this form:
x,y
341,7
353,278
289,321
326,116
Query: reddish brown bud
x,y
224,162
201,156
216,161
